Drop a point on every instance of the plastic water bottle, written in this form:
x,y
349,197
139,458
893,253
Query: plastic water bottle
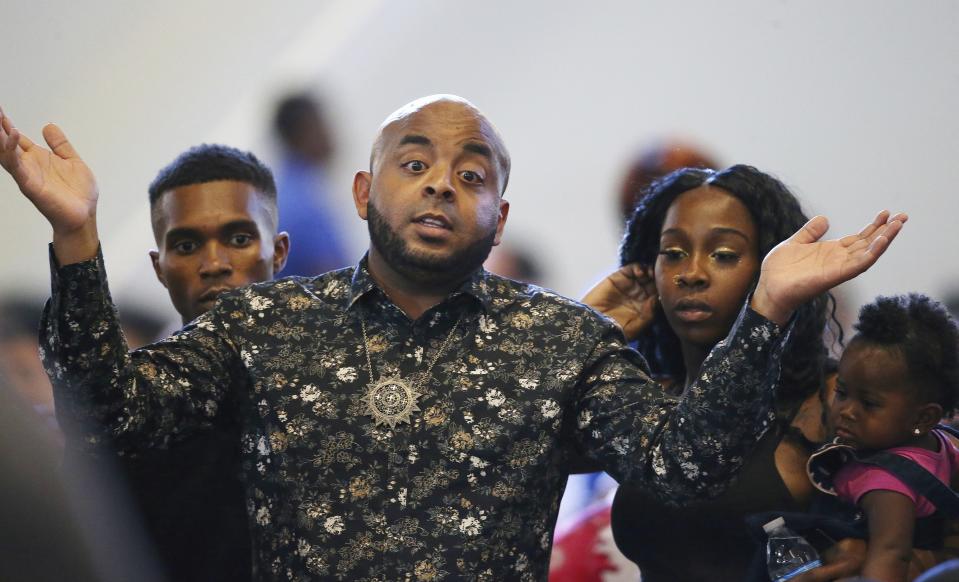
x,y
788,554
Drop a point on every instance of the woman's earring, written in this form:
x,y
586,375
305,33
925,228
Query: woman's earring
x,y
916,431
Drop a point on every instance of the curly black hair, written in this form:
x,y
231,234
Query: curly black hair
x,y
923,331
777,215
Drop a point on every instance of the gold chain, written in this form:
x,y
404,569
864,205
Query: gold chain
x,y
425,375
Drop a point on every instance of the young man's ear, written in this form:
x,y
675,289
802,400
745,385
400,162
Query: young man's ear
x,y
155,259
361,192
281,251
501,221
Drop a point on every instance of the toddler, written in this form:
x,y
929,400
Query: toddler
x,y
897,378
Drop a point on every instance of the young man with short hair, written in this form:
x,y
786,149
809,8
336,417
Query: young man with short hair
x,y
214,216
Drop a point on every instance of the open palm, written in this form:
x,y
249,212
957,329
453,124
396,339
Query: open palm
x,y
55,180
802,266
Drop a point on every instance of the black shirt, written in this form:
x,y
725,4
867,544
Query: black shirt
x,y
470,488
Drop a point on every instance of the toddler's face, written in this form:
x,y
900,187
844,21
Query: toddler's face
x,y
875,405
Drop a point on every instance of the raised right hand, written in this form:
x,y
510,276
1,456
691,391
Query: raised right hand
x,y
56,181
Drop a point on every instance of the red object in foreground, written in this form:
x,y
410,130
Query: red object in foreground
x,y
587,553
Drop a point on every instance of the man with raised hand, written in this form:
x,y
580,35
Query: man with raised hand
x,y
408,417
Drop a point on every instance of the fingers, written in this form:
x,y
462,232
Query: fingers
x,y
882,230
9,140
638,271
25,142
876,228
901,217
811,231
642,274
878,246
58,142
883,238
882,219
621,276
8,133
625,284
642,284
14,134
870,228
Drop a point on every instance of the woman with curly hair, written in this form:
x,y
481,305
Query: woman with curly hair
x,y
695,244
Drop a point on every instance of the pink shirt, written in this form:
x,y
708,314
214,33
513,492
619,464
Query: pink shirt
x,y
856,479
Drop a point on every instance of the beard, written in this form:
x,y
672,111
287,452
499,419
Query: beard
x,y
425,267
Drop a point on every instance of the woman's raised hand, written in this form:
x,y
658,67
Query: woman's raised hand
x,y
628,296
803,266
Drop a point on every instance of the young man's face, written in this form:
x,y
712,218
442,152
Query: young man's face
x,y
213,237
433,199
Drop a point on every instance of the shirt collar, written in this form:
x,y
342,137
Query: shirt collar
x,y
478,286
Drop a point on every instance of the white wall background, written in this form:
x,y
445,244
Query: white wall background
x,y
851,103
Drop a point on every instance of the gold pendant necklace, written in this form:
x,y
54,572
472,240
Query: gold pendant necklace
x,y
392,400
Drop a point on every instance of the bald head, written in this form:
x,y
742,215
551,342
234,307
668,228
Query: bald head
x,y
450,110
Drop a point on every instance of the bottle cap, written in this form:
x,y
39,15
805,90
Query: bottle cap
x,y
774,525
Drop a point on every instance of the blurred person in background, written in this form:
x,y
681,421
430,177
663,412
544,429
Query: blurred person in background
x,y
50,532
20,361
651,164
306,204
141,326
41,539
517,262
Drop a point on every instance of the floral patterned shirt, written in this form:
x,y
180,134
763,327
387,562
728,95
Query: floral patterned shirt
x,y
469,489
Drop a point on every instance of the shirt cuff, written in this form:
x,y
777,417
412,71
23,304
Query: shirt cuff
x,y
760,326
59,275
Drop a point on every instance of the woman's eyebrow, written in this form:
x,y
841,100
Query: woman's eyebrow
x,y
730,230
